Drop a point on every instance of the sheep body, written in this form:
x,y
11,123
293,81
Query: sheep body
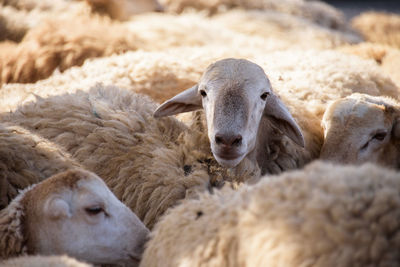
x,y
292,74
386,56
319,216
378,27
315,11
27,159
149,164
46,47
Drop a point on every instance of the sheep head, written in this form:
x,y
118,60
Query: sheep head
x,y
362,128
75,213
236,96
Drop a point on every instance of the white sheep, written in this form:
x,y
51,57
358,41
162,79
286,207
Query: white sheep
x,y
43,261
26,159
325,215
47,47
315,11
244,117
149,164
72,213
362,128
292,74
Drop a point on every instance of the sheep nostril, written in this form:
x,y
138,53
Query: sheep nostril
x,y
237,141
219,140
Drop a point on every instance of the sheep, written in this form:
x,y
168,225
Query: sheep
x,y
26,159
243,114
386,56
378,27
299,31
163,74
53,47
43,261
21,16
46,47
149,164
292,74
286,154
315,11
323,215
362,128
72,213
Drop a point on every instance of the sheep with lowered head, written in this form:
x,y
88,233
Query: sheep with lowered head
x,y
43,261
362,128
324,215
26,159
72,213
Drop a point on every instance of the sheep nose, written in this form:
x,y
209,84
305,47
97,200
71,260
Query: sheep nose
x,y
228,139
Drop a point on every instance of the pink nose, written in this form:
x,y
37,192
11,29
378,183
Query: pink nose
x,y
228,139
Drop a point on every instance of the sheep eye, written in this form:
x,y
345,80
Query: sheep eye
x,y
203,93
379,136
264,96
94,210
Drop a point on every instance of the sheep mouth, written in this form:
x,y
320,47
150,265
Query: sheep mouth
x,y
228,155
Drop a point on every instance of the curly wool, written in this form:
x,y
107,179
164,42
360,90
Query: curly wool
x,y
379,27
315,11
149,164
324,215
27,159
12,239
386,56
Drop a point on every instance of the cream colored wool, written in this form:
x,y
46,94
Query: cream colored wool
x,y
48,47
149,164
19,16
386,56
325,215
305,80
27,159
43,261
379,27
299,31
315,11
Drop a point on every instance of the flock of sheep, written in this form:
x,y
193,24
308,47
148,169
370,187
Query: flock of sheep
x,y
283,150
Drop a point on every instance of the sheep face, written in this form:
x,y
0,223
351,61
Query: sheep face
x,y
362,128
236,96
88,222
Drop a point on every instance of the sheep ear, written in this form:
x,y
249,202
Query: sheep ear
x,y
280,116
57,208
185,101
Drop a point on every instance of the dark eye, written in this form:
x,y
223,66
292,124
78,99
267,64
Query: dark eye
x,y
94,210
264,96
203,93
379,136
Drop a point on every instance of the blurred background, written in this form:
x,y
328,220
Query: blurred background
x,y
353,7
